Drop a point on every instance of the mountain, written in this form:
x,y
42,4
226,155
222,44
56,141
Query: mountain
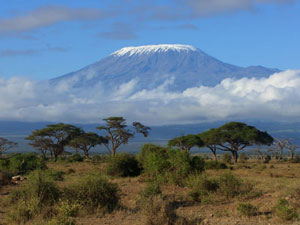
x,y
176,66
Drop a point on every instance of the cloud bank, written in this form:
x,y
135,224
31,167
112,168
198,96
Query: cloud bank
x,y
46,16
274,98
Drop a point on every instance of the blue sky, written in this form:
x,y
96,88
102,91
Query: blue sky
x,y
44,39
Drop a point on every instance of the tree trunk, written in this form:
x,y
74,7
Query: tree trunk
x,y
113,151
215,156
235,156
292,155
280,154
86,153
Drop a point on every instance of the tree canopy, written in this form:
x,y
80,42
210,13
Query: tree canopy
x,y
86,141
118,134
235,136
54,138
185,143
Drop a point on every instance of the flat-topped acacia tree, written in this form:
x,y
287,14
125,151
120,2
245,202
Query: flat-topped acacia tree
x,y
210,140
185,143
5,145
235,136
86,141
54,138
118,134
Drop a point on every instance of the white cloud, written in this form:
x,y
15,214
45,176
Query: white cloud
x,y
274,98
204,7
46,16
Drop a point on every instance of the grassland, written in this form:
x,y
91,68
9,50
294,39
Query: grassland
x,y
271,181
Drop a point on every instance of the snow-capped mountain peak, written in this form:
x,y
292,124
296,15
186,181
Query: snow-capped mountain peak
x,y
147,49
152,66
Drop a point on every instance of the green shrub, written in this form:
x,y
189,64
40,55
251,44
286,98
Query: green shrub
x,y
97,158
230,185
153,189
75,158
4,178
198,163
284,211
94,192
226,158
200,186
55,175
123,165
22,164
168,165
247,209
214,165
148,149
267,159
38,193
39,186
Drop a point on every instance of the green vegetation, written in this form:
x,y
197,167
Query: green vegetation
x,y
247,209
123,165
185,143
160,185
94,193
22,164
118,134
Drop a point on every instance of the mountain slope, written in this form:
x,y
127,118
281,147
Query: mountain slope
x,y
176,66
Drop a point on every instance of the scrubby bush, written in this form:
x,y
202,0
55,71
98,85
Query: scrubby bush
x,y
284,211
214,165
148,149
267,159
97,158
153,189
200,185
230,185
123,165
55,175
4,178
198,163
226,158
168,165
22,164
247,209
75,158
38,193
94,192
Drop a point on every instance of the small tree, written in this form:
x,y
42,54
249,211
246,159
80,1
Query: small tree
x,y
86,141
291,147
5,145
54,138
211,139
118,134
185,143
280,145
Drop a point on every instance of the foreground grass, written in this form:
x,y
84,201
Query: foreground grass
x,y
272,181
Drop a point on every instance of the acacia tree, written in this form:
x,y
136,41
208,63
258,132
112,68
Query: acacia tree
x,y
235,136
54,138
210,140
118,134
86,141
5,145
185,143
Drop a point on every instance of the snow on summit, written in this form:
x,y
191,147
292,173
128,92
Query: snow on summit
x,y
147,49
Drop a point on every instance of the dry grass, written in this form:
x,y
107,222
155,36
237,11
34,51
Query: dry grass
x,y
275,180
